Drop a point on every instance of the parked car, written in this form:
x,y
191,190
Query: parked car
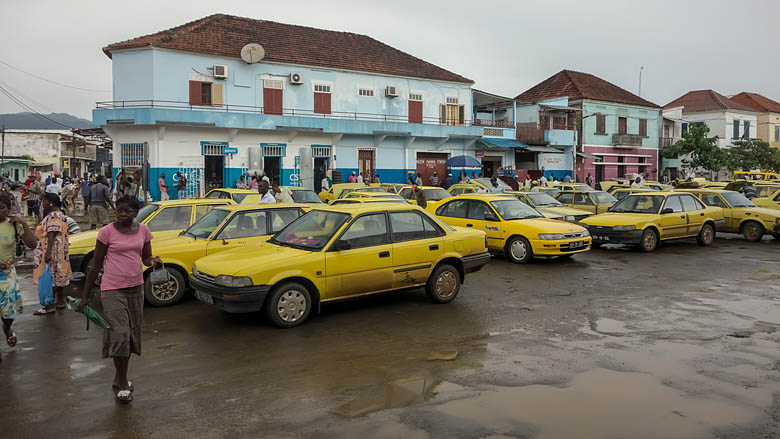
x,y
592,201
741,215
550,207
236,195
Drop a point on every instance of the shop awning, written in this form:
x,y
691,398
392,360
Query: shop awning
x,y
546,149
499,142
585,155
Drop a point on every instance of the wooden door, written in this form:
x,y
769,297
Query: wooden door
x,y
367,162
622,125
272,100
428,162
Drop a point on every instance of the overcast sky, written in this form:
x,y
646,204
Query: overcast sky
x,y
505,46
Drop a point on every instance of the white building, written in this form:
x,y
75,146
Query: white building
x,y
51,151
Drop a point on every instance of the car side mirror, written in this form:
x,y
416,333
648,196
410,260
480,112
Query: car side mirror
x,y
341,245
667,210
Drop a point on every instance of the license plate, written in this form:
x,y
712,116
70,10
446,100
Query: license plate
x,y
578,244
602,238
204,297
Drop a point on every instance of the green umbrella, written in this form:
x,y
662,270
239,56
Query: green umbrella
x,y
89,312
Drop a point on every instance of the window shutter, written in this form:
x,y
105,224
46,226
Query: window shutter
x,y
735,135
195,98
443,114
461,115
216,94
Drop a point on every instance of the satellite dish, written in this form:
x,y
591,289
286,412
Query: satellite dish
x,y
252,53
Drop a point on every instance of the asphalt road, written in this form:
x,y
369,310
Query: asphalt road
x,y
615,343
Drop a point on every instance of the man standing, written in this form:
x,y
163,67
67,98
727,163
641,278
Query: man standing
x,y
241,183
163,188
418,180
98,201
34,197
54,186
567,178
435,179
181,185
589,180
543,179
265,196
447,182
325,184
360,178
85,192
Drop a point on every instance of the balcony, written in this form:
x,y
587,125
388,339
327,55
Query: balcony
x,y
530,133
665,142
503,123
627,140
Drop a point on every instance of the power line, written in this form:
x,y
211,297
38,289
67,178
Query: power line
x,y
54,82
29,99
29,108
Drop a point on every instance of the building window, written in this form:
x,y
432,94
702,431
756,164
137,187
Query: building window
x,y
559,122
684,128
205,93
452,114
777,133
452,100
321,88
643,127
622,125
368,92
601,124
544,122
735,134
272,96
746,134
416,96
132,154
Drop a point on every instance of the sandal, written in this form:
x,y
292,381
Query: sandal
x,y
129,383
11,340
43,311
124,396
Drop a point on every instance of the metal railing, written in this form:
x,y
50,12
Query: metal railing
x,y
341,115
665,142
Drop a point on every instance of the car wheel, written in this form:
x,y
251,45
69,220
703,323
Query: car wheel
x,y
649,240
288,305
168,293
443,285
518,250
706,235
753,231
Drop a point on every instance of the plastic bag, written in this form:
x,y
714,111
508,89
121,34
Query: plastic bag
x,y
46,288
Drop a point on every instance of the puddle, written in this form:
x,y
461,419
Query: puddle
x,y
762,310
80,369
609,326
399,393
599,403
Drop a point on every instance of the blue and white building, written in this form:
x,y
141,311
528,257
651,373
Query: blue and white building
x,y
299,104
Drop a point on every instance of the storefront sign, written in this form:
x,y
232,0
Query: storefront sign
x,y
229,150
552,160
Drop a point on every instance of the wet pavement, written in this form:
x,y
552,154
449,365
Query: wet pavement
x,y
615,343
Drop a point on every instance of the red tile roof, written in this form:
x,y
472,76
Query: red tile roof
x,y
706,100
225,35
757,102
579,85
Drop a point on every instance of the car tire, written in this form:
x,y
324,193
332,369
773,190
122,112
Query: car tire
x,y
289,305
518,250
649,240
166,294
706,235
443,285
752,231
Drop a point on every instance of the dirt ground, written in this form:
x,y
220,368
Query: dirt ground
x,y
615,343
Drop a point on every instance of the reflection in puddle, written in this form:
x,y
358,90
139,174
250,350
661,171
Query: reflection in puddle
x,y
599,403
399,393
81,369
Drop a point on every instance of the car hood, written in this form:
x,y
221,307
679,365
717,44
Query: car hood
x,y
610,219
245,261
546,225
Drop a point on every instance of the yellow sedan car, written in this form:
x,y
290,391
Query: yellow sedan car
x,y
432,194
771,201
592,201
514,228
741,215
465,188
222,229
164,219
236,195
574,187
550,207
644,219
338,253
339,190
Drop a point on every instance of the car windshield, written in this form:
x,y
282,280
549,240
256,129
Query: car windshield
x,y
146,211
361,189
735,199
311,231
543,199
603,198
435,194
238,197
204,227
514,209
300,196
638,204
582,187
502,187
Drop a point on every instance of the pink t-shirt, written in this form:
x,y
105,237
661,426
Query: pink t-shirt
x,y
123,267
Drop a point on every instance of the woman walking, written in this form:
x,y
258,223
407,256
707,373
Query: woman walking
x,y
52,251
120,249
12,230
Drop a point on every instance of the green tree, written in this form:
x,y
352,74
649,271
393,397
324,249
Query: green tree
x,y
697,150
746,155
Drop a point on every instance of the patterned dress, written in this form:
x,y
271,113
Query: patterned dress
x,y
10,299
60,264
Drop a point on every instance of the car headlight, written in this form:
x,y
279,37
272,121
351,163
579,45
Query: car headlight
x,y
569,219
584,234
194,270
233,281
551,236
624,228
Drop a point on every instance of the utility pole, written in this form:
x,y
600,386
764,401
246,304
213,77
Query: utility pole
x,y
640,80
2,155
73,147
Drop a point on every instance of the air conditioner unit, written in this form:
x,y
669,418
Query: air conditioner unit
x,y
391,91
220,71
296,78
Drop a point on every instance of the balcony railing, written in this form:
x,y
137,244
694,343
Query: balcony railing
x,y
665,142
632,140
341,115
530,132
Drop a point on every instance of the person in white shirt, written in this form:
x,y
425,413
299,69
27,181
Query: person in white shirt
x,y
55,187
360,178
636,183
265,196
543,181
325,184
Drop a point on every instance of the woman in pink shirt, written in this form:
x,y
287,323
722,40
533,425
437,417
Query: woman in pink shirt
x,y
120,249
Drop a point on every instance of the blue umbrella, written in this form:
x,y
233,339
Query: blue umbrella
x,y
463,161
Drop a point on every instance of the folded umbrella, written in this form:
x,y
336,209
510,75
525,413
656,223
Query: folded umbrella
x,y
89,313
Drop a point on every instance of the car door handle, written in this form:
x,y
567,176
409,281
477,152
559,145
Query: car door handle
x,y
433,247
701,214
469,225
384,254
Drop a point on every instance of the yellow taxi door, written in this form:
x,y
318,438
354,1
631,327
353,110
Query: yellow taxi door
x,y
482,217
732,223
694,208
417,246
361,259
583,201
169,221
240,230
566,198
453,212
675,223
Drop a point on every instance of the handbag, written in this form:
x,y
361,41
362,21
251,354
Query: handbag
x,y
159,275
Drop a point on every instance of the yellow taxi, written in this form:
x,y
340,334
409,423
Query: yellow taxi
x,y
646,218
574,187
338,253
340,190
164,219
392,188
550,207
374,195
433,194
592,201
621,192
513,228
551,191
222,229
465,188
750,175
656,186
772,201
235,195
741,215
